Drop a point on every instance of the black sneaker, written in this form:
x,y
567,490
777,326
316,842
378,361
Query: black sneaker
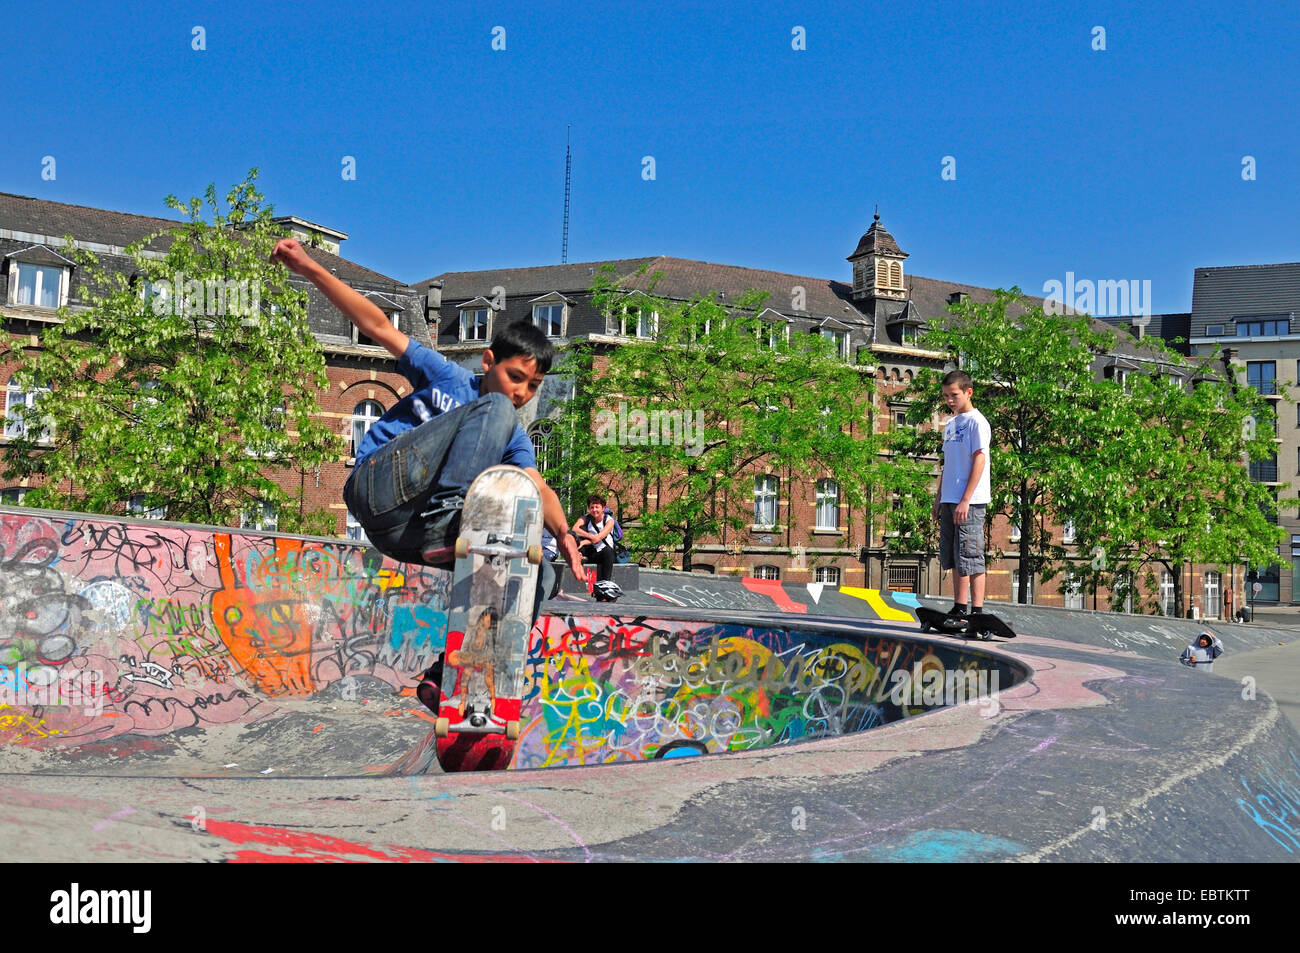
x,y
429,691
440,537
956,620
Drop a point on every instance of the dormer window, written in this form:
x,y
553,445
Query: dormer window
x,y
392,310
38,278
474,324
550,314
633,320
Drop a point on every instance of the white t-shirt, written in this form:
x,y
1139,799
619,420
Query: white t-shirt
x,y
962,436
597,529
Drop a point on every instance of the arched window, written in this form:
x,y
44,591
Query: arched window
x,y
364,415
895,274
541,434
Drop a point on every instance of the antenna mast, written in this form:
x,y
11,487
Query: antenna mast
x,y
568,168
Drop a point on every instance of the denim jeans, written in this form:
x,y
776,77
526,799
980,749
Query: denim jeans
x,y
408,494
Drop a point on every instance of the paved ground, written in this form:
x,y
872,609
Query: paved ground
x,y
1275,668
227,652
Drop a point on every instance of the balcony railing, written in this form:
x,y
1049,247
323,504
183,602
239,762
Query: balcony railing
x,y
1263,471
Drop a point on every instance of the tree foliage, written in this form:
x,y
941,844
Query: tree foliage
x,y
182,383
1177,489
752,399
1033,371
1149,472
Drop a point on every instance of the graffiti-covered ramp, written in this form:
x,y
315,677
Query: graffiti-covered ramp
x,y
154,649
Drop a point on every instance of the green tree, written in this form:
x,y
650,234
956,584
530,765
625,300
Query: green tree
x,y
1033,371
1177,489
743,398
183,383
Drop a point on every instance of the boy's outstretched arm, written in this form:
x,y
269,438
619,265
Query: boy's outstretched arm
x,y
555,520
368,319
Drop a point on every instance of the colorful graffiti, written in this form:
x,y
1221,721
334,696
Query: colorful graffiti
x,y
108,628
634,688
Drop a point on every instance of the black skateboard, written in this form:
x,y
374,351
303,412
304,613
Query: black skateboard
x,y
981,625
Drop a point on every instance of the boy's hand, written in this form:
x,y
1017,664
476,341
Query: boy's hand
x,y
293,256
570,547
961,513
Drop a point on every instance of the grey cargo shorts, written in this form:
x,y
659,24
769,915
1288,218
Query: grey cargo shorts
x,y
961,547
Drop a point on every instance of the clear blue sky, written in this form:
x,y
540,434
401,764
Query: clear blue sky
x,y
1116,164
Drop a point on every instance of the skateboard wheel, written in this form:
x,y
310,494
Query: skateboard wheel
x,y
442,727
534,555
512,730
985,636
462,547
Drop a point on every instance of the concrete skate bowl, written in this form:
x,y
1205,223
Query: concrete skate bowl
x,y
165,650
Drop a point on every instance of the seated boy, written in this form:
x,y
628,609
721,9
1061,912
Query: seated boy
x,y
417,461
594,528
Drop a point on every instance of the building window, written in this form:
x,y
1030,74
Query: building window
x,y
260,517
895,274
1213,330
904,578
1117,374
550,318
1121,591
767,572
771,334
37,286
541,435
137,505
273,425
355,531
827,574
1015,526
840,340
1015,587
1166,593
640,324
1211,588
828,505
12,496
1262,376
20,407
1264,471
765,488
1073,589
364,416
474,325
364,341
1067,533
1263,328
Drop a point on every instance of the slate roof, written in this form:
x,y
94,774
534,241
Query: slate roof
x,y
1222,294
22,213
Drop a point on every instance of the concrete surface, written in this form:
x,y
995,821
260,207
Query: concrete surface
x,y
226,645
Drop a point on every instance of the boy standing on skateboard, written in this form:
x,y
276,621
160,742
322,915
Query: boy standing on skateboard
x,y
417,461
963,495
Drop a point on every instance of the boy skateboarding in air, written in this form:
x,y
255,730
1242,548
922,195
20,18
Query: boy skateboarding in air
x,y
963,495
416,463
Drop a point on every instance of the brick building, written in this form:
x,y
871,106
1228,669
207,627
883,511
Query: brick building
x,y
36,277
875,318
